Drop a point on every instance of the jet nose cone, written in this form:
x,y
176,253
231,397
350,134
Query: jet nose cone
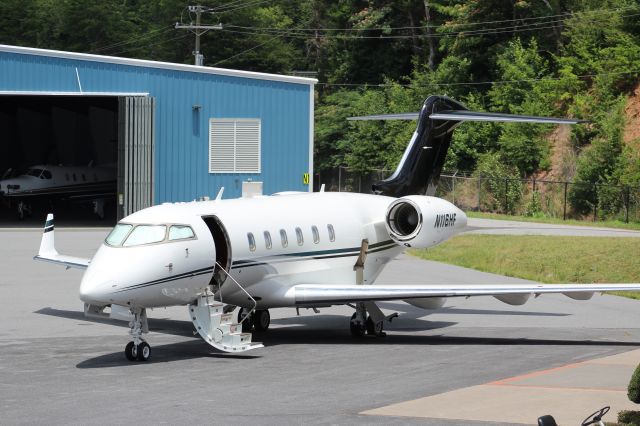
x,y
94,286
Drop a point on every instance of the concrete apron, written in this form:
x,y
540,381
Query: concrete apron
x,y
569,393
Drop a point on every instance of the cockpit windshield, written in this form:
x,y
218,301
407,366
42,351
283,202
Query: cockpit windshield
x,y
145,234
127,235
118,234
34,172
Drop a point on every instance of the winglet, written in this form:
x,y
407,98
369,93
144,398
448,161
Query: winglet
x,y
47,245
48,252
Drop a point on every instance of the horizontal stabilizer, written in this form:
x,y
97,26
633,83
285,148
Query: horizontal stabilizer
x,y
507,118
461,115
403,116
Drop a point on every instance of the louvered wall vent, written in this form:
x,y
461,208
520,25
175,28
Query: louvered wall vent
x,y
234,145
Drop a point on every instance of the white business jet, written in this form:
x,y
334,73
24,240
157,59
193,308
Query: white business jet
x,y
49,182
290,250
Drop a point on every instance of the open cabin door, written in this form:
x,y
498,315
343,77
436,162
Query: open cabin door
x,y
136,139
223,250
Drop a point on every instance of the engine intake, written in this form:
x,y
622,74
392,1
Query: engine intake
x,y
421,221
404,219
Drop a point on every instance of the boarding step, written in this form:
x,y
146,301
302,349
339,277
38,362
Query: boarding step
x,y
217,328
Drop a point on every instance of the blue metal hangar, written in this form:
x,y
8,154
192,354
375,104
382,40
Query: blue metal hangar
x,y
176,132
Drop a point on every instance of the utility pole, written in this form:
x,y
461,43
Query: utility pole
x,y
198,30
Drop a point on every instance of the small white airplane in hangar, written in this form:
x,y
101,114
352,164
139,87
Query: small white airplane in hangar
x,y
291,249
47,182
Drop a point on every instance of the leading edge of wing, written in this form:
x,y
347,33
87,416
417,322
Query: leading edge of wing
x,y
320,293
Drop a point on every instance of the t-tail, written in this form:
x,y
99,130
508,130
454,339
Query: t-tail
x,y
419,169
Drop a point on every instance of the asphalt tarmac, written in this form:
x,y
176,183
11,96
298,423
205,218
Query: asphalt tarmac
x,y
56,367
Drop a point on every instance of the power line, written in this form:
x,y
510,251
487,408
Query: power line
x,y
485,31
132,40
249,4
475,83
448,26
152,44
248,50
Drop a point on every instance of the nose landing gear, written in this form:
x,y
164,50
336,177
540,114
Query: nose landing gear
x,y
138,349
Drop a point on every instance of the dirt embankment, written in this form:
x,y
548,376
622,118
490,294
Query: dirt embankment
x,y
563,164
632,114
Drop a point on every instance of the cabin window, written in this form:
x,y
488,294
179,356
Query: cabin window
x,y
66,176
74,177
117,235
180,232
316,234
46,174
95,177
283,238
332,233
84,178
252,242
299,236
267,240
145,234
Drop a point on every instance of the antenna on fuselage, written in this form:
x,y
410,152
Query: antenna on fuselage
x,y
220,192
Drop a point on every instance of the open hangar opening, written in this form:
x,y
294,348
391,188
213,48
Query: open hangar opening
x,y
175,132
80,143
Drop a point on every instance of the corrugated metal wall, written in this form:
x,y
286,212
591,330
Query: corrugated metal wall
x,y
185,101
135,153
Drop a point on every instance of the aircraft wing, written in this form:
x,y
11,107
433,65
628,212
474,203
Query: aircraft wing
x,y
309,294
48,252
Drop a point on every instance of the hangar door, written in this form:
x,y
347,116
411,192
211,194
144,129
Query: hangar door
x,y
136,139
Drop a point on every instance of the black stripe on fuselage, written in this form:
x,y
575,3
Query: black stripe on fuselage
x,y
197,272
318,255
48,229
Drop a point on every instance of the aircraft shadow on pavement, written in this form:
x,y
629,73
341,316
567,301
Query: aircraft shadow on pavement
x,y
179,351
158,325
302,330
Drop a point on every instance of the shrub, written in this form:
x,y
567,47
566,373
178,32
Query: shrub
x,y
629,418
633,390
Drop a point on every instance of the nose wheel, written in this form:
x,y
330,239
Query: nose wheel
x,y
138,349
140,352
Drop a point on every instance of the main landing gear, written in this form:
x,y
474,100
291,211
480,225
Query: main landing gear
x,y
372,323
138,349
258,320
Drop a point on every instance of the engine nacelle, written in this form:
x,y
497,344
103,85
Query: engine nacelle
x,y
420,221
428,302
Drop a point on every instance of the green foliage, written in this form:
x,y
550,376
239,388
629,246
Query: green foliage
x,y
534,206
600,162
630,418
633,390
499,189
577,58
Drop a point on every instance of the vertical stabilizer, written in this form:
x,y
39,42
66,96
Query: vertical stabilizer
x,y
419,169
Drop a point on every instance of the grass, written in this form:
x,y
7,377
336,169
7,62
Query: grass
x,y
606,224
545,259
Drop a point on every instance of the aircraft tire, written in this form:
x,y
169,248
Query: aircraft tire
x,y
261,320
131,352
357,330
247,325
144,351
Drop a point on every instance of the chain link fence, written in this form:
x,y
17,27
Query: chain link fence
x,y
528,197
